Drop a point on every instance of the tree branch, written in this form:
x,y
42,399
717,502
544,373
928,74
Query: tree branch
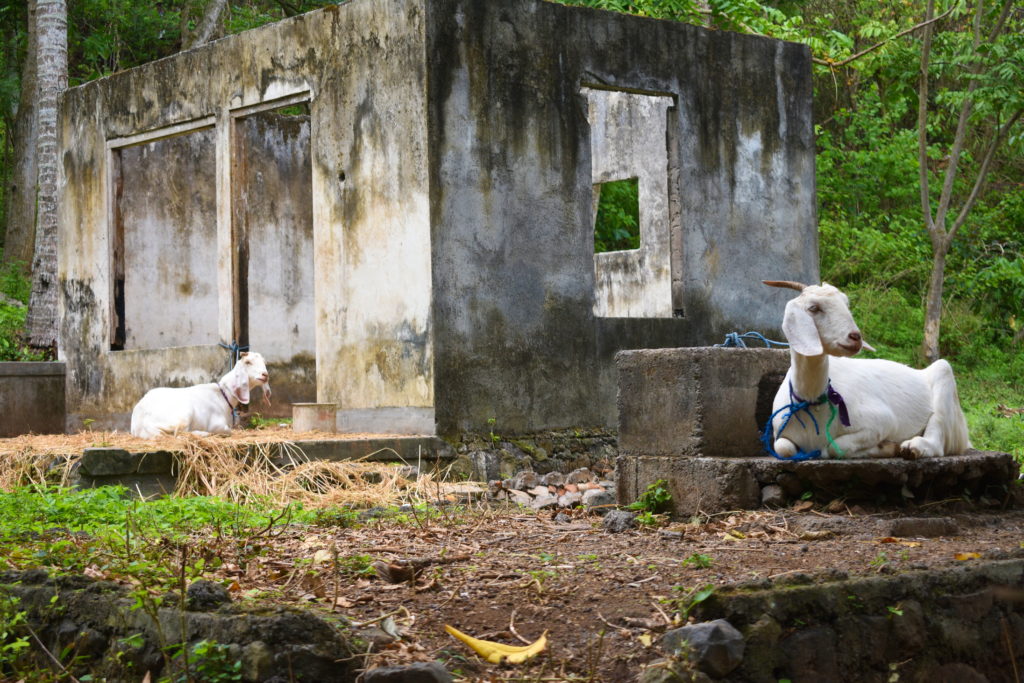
x,y
844,62
946,195
986,161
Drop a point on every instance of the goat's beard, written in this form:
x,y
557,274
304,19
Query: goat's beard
x,y
266,394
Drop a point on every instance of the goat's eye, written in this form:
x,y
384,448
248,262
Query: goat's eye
x,y
814,308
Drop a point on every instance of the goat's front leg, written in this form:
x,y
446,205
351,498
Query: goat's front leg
x,y
785,448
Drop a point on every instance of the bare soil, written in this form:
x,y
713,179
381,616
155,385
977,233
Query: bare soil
x,y
501,573
508,576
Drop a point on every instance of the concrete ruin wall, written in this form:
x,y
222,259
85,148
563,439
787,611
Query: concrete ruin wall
x,y
512,91
437,268
367,229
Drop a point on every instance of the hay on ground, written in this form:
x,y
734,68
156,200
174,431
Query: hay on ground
x,y
240,467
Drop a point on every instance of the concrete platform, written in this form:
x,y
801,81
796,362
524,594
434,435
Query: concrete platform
x,y
713,484
155,472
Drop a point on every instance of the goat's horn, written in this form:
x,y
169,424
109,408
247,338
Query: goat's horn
x,y
788,284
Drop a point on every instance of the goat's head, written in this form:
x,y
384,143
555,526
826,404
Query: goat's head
x,y
255,368
249,372
819,321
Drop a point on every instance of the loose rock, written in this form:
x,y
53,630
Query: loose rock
x,y
716,646
420,672
617,521
598,498
206,595
772,495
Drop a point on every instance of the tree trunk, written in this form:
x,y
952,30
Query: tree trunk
x,y
204,32
20,231
52,74
933,303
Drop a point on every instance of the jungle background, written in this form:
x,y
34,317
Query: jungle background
x,y
920,181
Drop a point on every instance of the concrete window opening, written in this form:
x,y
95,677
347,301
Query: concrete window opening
x,y
272,235
632,158
617,215
164,242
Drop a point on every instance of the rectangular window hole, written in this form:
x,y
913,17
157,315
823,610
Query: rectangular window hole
x,y
617,215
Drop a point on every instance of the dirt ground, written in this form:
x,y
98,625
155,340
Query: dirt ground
x,y
508,576
502,573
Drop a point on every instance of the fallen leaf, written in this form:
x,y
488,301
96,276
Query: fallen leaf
x,y
803,506
322,556
967,556
645,639
817,535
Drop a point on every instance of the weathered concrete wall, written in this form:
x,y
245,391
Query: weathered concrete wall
x,y
272,206
370,218
167,211
31,398
698,401
511,182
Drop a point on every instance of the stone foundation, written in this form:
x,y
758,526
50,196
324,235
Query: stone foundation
x,y
712,485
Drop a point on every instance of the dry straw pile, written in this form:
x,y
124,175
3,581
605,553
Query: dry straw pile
x,y
264,464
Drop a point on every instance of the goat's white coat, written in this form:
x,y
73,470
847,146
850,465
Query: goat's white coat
x,y
202,409
893,408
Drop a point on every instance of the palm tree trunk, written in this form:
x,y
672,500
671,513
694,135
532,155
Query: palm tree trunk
x,y
52,73
20,231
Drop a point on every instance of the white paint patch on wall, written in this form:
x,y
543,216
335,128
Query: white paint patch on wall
x,y
629,139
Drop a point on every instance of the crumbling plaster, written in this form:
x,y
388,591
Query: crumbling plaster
x,y
370,217
452,177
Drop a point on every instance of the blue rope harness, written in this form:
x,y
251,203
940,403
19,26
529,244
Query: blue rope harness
x,y
236,351
796,404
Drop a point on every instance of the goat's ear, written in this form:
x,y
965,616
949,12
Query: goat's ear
x,y
238,383
800,330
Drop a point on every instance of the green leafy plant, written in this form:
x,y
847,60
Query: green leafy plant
x,y
656,498
698,561
688,598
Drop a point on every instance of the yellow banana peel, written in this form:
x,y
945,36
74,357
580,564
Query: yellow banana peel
x,y
496,652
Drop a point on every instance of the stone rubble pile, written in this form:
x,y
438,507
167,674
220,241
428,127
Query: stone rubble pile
x,y
555,490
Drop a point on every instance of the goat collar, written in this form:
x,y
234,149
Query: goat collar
x,y
221,389
831,395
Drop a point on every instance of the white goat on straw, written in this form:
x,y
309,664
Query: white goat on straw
x,y
885,408
202,409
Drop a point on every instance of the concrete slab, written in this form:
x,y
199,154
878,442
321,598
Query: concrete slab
x,y
710,484
701,401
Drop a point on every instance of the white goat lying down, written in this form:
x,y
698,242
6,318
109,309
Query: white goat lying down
x,y
883,408
202,409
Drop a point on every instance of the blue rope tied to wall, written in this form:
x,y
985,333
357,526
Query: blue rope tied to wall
x,y
735,340
235,351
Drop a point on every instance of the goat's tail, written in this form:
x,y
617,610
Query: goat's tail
x,y
946,408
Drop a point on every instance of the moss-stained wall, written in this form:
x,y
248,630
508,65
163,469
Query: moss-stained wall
x,y
451,178
362,67
511,178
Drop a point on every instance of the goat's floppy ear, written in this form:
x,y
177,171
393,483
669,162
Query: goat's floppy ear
x,y
238,384
800,330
